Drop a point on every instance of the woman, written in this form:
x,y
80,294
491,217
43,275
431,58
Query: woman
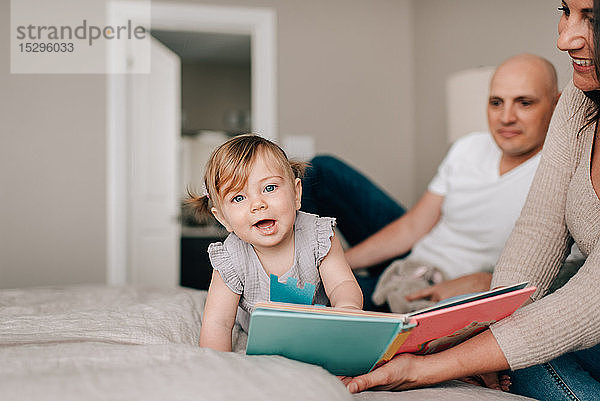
x,y
556,337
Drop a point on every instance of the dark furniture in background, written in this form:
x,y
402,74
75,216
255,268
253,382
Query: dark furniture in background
x,y
196,270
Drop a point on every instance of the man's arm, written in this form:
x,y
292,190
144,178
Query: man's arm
x,y
399,236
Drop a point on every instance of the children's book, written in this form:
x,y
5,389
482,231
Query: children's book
x,y
352,342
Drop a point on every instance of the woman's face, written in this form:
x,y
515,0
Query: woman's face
x,y
576,37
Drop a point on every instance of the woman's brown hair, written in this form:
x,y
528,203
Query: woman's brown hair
x,y
593,113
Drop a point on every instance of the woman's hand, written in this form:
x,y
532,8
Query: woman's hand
x,y
397,374
478,354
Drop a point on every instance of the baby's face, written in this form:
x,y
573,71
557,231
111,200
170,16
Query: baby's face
x,y
263,212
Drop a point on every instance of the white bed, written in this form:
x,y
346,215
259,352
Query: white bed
x,y
96,342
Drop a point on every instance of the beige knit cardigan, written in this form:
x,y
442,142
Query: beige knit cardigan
x,y
561,207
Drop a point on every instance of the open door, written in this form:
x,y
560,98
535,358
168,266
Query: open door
x,y
153,229
142,231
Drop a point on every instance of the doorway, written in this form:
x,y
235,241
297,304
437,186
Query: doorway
x,y
258,26
215,106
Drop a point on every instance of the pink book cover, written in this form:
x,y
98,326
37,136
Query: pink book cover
x,y
441,329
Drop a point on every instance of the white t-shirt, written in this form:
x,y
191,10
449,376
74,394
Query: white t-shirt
x,y
479,210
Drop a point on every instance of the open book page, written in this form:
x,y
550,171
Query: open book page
x,y
462,299
320,309
442,328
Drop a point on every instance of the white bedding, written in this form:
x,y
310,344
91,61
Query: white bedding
x,y
88,343
123,315
102,343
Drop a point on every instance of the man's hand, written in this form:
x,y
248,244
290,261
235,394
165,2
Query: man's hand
x,y
475,282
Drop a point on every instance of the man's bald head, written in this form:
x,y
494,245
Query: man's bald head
x,y
523,93
532,65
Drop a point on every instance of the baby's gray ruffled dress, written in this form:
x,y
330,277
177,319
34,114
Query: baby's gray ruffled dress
x,y
239,266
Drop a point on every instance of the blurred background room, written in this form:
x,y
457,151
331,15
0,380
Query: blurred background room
x,y
93,167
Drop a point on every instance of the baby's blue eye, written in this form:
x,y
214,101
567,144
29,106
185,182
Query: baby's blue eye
x,y
237,198
270,188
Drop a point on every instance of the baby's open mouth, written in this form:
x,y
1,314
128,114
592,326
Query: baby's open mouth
x,y
264,224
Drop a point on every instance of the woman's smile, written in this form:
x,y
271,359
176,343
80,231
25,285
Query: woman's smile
x,y
583,65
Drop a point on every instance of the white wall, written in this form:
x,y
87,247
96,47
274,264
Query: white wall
x,y
52,175
345,76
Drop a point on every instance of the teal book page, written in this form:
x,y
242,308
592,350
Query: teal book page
x,y
344,345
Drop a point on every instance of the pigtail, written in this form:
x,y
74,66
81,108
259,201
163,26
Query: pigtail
x,y
198,207
298,168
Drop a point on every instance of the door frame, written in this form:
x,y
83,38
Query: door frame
x,y
261,24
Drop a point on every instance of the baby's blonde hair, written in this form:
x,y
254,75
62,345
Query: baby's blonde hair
x,y
229,166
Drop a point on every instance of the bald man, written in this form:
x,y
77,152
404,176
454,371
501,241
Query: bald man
x,y
456,231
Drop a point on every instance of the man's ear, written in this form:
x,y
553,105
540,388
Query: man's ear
x,y
298,190
219,216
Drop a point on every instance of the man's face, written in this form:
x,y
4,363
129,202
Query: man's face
x,y
520,107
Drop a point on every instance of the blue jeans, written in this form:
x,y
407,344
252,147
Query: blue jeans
x,y
573,376
332,188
